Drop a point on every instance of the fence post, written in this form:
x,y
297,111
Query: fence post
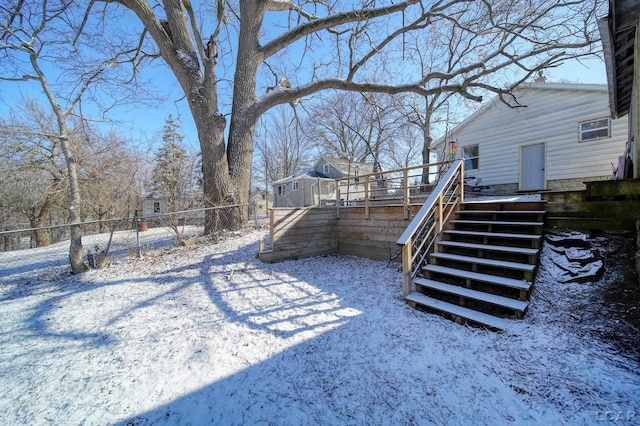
x,y
136,224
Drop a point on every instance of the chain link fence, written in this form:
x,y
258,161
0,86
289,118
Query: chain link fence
x,y
117,238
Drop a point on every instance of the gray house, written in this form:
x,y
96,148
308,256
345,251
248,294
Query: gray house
x,y
317,187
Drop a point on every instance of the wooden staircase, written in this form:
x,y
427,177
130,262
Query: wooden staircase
x,y
482,266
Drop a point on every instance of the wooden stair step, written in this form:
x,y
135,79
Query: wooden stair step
x,y
503,202
494,299
493,234
476,276
504,212
484,261
495,222
506,249
449,308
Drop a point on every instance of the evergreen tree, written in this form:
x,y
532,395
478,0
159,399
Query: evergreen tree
x,y
172,175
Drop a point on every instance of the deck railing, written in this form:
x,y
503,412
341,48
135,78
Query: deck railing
x,y
420,236
392,187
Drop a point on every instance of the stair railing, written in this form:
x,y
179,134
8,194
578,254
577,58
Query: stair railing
x,y
424,230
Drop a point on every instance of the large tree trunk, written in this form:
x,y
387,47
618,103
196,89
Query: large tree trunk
x,y
243,119
215,170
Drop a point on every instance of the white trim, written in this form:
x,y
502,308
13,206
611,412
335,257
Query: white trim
x,y
582,132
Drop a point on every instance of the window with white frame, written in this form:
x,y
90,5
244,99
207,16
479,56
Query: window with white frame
x,y
471,155
280,189
325,168
156,206
595,129
294,186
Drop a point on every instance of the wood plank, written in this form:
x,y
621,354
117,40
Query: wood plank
x,y
484,261
370,251
507,249
285,245
471,315
494,299
475,276
503,212
495,222
494,234
388,236
279,256
329,229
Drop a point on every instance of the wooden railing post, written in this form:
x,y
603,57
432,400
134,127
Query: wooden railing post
x,y
367,192
461,182
405,191
407,272
272,221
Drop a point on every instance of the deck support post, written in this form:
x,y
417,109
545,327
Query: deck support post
x,y
407,257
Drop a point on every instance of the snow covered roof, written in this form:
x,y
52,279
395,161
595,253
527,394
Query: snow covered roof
x,y
305,174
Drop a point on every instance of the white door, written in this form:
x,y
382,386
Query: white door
x,y
532,165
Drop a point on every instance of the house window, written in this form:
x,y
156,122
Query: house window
x,y
280,189
325,168
595,129
294,186
156,206
471,155
264,197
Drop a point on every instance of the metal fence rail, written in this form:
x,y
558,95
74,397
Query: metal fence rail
x,y
129,236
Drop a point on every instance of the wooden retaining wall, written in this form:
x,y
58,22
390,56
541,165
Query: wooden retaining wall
x,y
316,231
373,237
301,232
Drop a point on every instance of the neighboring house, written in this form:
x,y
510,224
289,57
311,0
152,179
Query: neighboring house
x,y
154,204
563,136
306,188
317,187
261,201
620,33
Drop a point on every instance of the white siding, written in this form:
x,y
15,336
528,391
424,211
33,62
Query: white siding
x,y
550,116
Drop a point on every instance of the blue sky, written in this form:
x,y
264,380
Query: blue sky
x,y
144,123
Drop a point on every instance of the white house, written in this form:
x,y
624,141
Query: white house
x,y
317,187
562,136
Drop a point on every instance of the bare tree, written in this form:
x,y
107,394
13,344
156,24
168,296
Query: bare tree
x,y
53,45
109,165
282,146
34,174
288,42
358,127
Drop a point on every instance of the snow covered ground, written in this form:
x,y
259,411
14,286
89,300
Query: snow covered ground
x,y
210,334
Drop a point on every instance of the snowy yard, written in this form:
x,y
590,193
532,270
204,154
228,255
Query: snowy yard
x,y
210,334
